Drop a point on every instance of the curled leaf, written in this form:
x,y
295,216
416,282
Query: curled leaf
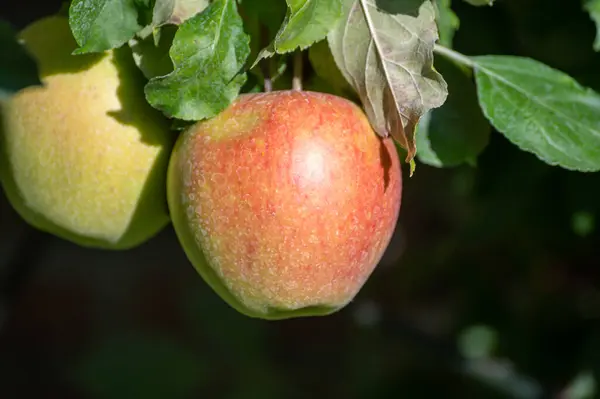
x,y
386,54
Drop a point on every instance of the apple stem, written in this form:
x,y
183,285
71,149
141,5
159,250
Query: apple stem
x,y
268,83
297,79
265,65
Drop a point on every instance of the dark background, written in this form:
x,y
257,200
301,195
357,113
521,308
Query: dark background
x,y
490,288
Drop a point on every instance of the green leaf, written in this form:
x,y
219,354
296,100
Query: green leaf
x,y
176,11
18,68
151,54
447,22
208,53
480,2
593,8
100,25
387,56
306,22
457,132
168,12
541,110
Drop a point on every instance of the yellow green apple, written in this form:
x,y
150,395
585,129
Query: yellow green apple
x,y
84,156
285,202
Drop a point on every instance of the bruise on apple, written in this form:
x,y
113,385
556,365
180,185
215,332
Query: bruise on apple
x,y
285,202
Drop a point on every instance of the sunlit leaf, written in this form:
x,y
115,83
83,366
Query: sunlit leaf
x,y
208,53
541,110
100,25
306,22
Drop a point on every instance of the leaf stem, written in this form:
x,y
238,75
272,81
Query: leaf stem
x,y
297,79
453,55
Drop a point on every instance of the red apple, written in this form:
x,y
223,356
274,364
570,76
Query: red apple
x,y
285,202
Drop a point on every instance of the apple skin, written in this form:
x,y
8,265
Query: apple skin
x,y
285,202
84,156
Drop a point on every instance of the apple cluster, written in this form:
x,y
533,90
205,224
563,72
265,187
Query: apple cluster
x,y
284,202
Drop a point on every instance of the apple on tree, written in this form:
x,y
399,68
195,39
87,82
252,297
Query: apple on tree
x,y
285,201
84,156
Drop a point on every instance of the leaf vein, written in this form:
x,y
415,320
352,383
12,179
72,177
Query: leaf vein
x,y
539,100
